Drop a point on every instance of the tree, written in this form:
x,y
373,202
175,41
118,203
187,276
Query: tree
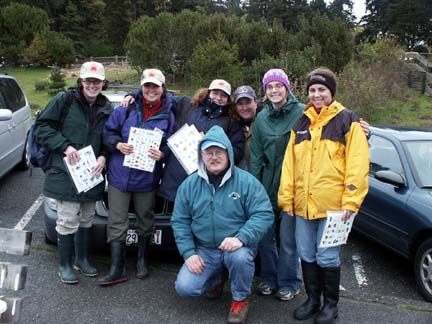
x,y
60,48
117,26
215,58
18,26
343,9
410,21
83,22
57,82
37,52
331,38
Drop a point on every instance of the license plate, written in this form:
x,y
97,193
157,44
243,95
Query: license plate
x,y
157,237
131,237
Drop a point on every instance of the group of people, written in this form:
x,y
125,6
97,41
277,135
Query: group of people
x,y
280,166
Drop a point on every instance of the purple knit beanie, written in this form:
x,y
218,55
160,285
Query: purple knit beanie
x,y
276,75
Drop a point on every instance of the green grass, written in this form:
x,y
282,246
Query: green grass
x,y
414,110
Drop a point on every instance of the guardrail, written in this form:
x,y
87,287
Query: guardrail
x,y
13,276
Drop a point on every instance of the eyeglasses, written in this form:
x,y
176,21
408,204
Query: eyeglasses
x,y
209,154
92,81
277,86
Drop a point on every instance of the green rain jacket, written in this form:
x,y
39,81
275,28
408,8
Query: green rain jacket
x,y
270,136
78,130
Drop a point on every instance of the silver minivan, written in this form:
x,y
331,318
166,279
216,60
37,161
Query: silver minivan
x,y
15,122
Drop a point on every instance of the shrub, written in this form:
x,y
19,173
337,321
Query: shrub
x,y
41,85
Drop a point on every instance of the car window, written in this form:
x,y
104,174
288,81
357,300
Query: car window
x,y
11,94
384,156
420,157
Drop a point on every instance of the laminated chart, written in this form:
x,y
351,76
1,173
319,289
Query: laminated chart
x,y
142,140
81,171
184,145
336,230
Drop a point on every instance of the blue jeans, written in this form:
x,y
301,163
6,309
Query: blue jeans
x,y
281,270
308,236
289,262
240,265
269,258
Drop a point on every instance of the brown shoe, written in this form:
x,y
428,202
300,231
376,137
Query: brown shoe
x,y
238,311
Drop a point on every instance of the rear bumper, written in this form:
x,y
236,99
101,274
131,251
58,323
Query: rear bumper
x,y
99,237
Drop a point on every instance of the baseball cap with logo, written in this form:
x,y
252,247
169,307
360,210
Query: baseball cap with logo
x,y
244,91
220,85
154,76
92,70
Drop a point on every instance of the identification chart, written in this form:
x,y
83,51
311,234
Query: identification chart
x,y
81,171
142,140
336,230
184,145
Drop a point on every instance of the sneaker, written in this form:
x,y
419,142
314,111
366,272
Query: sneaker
x,y
285,294
238,311
264,289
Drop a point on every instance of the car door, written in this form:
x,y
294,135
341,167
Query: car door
x,y
13,132
383,213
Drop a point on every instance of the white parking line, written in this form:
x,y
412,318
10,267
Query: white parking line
x,y
29,214
359,271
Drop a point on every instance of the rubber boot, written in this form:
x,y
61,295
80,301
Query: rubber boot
x,y
117,272
142,261
82,263
331,281
312,282
66,248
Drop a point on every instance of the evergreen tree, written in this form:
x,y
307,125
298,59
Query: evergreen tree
x,y
57,82
117,26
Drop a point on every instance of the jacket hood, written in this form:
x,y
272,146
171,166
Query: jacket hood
x,y
216,134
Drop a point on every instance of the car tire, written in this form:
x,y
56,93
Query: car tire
x,y
25,159
423,269
48,240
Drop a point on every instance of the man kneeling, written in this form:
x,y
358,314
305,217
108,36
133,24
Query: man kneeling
x,y
220,214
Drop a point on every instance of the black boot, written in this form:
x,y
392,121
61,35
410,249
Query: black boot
x,y
143,251
312,284
82,263
331,281
65,248
117,272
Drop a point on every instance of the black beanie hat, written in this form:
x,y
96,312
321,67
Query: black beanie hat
x,y
328,80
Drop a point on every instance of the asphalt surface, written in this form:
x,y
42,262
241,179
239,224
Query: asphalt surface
x,y
389,294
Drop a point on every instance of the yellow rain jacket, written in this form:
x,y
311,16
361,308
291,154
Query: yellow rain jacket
x,y
326,163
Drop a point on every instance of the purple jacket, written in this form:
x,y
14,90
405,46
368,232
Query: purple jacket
x,y
117,130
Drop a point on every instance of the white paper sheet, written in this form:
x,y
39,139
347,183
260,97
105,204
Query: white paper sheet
x,y
336,230
81,171
184,145
142,140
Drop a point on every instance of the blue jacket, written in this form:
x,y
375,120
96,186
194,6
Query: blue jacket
x,y
203,117
117,130
205,216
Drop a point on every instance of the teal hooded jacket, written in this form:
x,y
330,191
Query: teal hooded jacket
x,y
205,216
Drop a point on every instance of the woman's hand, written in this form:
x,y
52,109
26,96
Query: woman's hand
x,y
365,127
72,155
124,148
127,100
100,165
155,154
346,214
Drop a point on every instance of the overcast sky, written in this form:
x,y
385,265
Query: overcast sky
x,y
359,8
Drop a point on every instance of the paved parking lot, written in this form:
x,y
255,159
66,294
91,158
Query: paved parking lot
x,y
380,290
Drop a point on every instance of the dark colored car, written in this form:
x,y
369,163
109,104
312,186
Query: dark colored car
x,y
397,212
163,235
